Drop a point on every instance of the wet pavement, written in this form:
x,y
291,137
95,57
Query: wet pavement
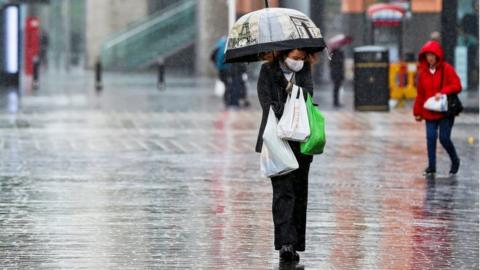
x,y
141,179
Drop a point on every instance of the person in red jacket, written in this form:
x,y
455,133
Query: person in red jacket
x,y
436,77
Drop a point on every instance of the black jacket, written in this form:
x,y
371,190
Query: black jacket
x,y
271,91
336,66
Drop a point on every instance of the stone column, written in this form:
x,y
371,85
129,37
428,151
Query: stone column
x,y
355,23
212,23
97,27
107,16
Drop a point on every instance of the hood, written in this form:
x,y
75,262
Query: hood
x,y
431,47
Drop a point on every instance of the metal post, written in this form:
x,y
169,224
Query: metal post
x,y
98,76
36,72
161,74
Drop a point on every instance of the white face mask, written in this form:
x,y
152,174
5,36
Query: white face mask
x,y
294,65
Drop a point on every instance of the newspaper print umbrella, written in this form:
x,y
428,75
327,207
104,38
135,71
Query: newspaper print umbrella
x,y
271,29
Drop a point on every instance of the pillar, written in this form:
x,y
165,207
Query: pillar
x,y
212,23
449,28
107,16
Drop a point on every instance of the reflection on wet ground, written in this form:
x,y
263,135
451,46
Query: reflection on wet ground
x,y
115,186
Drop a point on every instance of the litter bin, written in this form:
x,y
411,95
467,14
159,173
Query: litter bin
x,y
371,65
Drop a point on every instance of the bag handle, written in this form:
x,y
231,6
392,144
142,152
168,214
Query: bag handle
x,y
292,80
297,94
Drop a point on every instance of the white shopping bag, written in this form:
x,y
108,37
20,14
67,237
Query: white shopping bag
x,y
219,88
440,105
277,157
294,125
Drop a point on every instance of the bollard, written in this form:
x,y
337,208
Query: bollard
x,y
161,75
98,76
36,73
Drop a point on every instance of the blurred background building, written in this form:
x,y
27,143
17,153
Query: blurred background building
x,y
133,35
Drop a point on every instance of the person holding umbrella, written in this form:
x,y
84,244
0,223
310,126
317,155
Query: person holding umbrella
x,y
288,40
231,75
337,69
217,57
290,191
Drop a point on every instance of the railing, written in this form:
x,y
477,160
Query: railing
x,y
158,36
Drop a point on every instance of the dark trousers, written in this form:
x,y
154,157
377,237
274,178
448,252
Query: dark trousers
x,y
336,90
289,206
234,87
441,129
234,91
225,78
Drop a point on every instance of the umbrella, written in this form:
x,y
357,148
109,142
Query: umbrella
x,y
271,29
339,41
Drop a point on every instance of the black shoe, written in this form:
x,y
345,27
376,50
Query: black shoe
x,y
246,104
287,253
284,265
455,167
429,171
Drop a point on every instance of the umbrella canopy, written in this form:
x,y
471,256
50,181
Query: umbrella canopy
x,y
271,29
339,41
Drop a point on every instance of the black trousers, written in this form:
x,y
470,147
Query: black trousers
x,y
224,76
289,206
336,91
235,87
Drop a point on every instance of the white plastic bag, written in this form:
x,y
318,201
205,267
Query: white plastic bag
x,y
440,105
294,125
277,157
219,88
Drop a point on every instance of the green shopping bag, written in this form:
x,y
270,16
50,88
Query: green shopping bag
x,y
316,142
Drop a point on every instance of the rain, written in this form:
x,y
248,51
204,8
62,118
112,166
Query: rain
x,y
239,134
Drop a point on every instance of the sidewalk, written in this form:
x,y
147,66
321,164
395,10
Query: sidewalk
x,y
136,178
118,87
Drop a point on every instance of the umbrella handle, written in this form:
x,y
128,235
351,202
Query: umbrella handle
x,y
266,3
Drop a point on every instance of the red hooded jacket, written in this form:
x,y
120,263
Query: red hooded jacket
x,y
428,84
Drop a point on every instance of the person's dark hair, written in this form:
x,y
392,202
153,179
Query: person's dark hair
x,y
311,57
